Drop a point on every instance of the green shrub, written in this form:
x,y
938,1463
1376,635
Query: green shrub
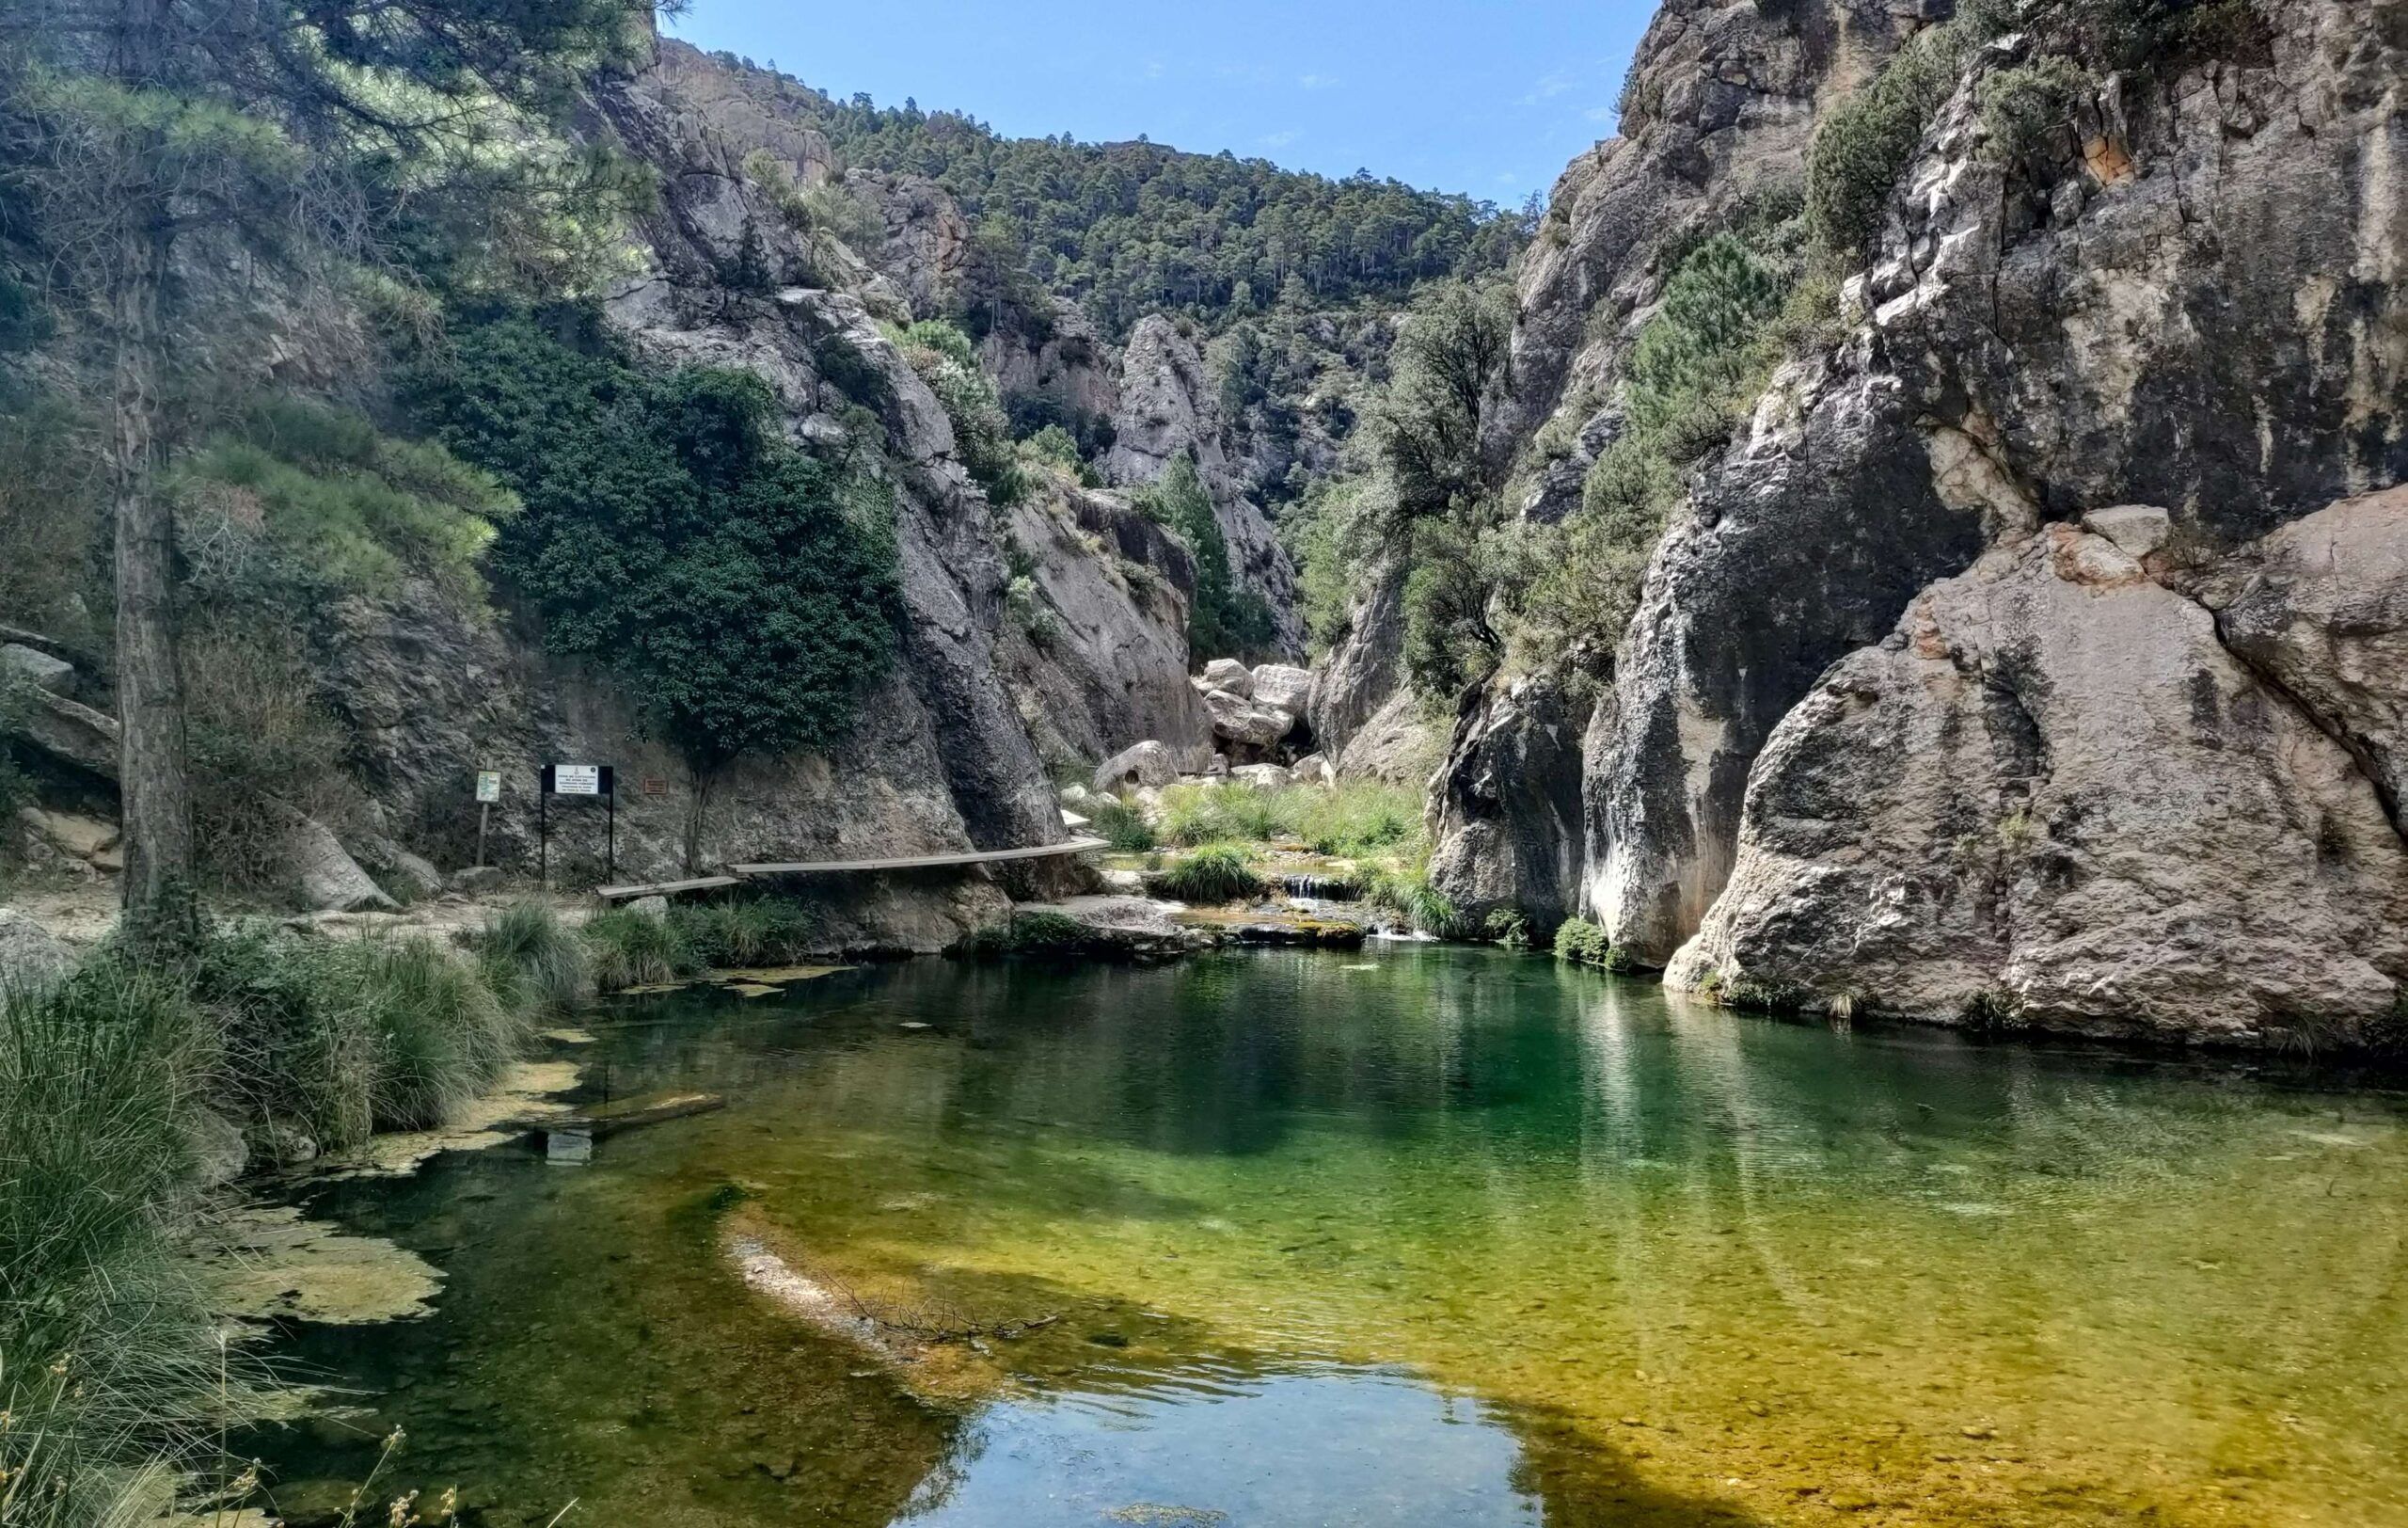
x,y
262,745
1507,926
300,1047
1192,816
1213,875
2024,104
637,949
1699,362
338,501
1122,826
982,436
533,959
1581,942
1865,141
110,1369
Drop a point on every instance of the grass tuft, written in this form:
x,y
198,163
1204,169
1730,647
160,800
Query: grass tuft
x,y
111,1376
638,949
1216,874
533,960
1122,826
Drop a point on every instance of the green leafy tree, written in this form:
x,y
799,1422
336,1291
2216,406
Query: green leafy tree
x,y
743,592
1225,620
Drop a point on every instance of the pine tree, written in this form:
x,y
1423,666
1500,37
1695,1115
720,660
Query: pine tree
x,y
160,141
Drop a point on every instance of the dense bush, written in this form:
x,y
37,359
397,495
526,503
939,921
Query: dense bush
x,y
744,592
746,932
628,948
260,745
337,503
1865,141
2024,104
1581,942
534,961
343,1038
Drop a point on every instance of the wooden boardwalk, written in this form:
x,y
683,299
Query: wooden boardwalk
x,y
924,862
737,874
668,888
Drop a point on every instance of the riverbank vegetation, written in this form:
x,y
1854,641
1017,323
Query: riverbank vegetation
x,y
640,947
127,1091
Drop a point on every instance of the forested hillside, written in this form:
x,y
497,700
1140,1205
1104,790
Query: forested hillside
x,y
1132,228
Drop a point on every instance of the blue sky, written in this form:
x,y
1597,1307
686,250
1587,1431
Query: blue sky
x,y
1491,100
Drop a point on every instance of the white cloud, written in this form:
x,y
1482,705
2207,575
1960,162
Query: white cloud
x,y
1601,114
1280,140
1316,82
1548,88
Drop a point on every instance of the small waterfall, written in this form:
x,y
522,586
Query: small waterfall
x,y
1320,888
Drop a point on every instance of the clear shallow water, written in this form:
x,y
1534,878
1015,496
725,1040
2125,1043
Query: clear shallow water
x,y
1431,1236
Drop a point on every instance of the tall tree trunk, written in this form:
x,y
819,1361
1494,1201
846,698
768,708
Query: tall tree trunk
x,y
160,915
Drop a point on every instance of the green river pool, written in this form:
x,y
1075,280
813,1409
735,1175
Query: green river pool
x,y
1419,1236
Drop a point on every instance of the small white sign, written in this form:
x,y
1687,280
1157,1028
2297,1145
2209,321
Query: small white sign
x,y
576,779
488,785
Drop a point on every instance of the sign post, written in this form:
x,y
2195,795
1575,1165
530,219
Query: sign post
x,y
488,792
574,780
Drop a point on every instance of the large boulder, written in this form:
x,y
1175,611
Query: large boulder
x,y
29,953
1508,828
1148,765
22,665
1283,685
321,872
1230,675
2320,608
2054,798
1247,723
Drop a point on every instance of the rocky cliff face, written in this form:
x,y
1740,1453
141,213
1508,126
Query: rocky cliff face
x,y
1888,727
1031,638
1167,410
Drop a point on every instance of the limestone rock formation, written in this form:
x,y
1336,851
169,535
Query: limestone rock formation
x,y
1143,766
2321,612
1167,409
1098,659
2055,797
1507,808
